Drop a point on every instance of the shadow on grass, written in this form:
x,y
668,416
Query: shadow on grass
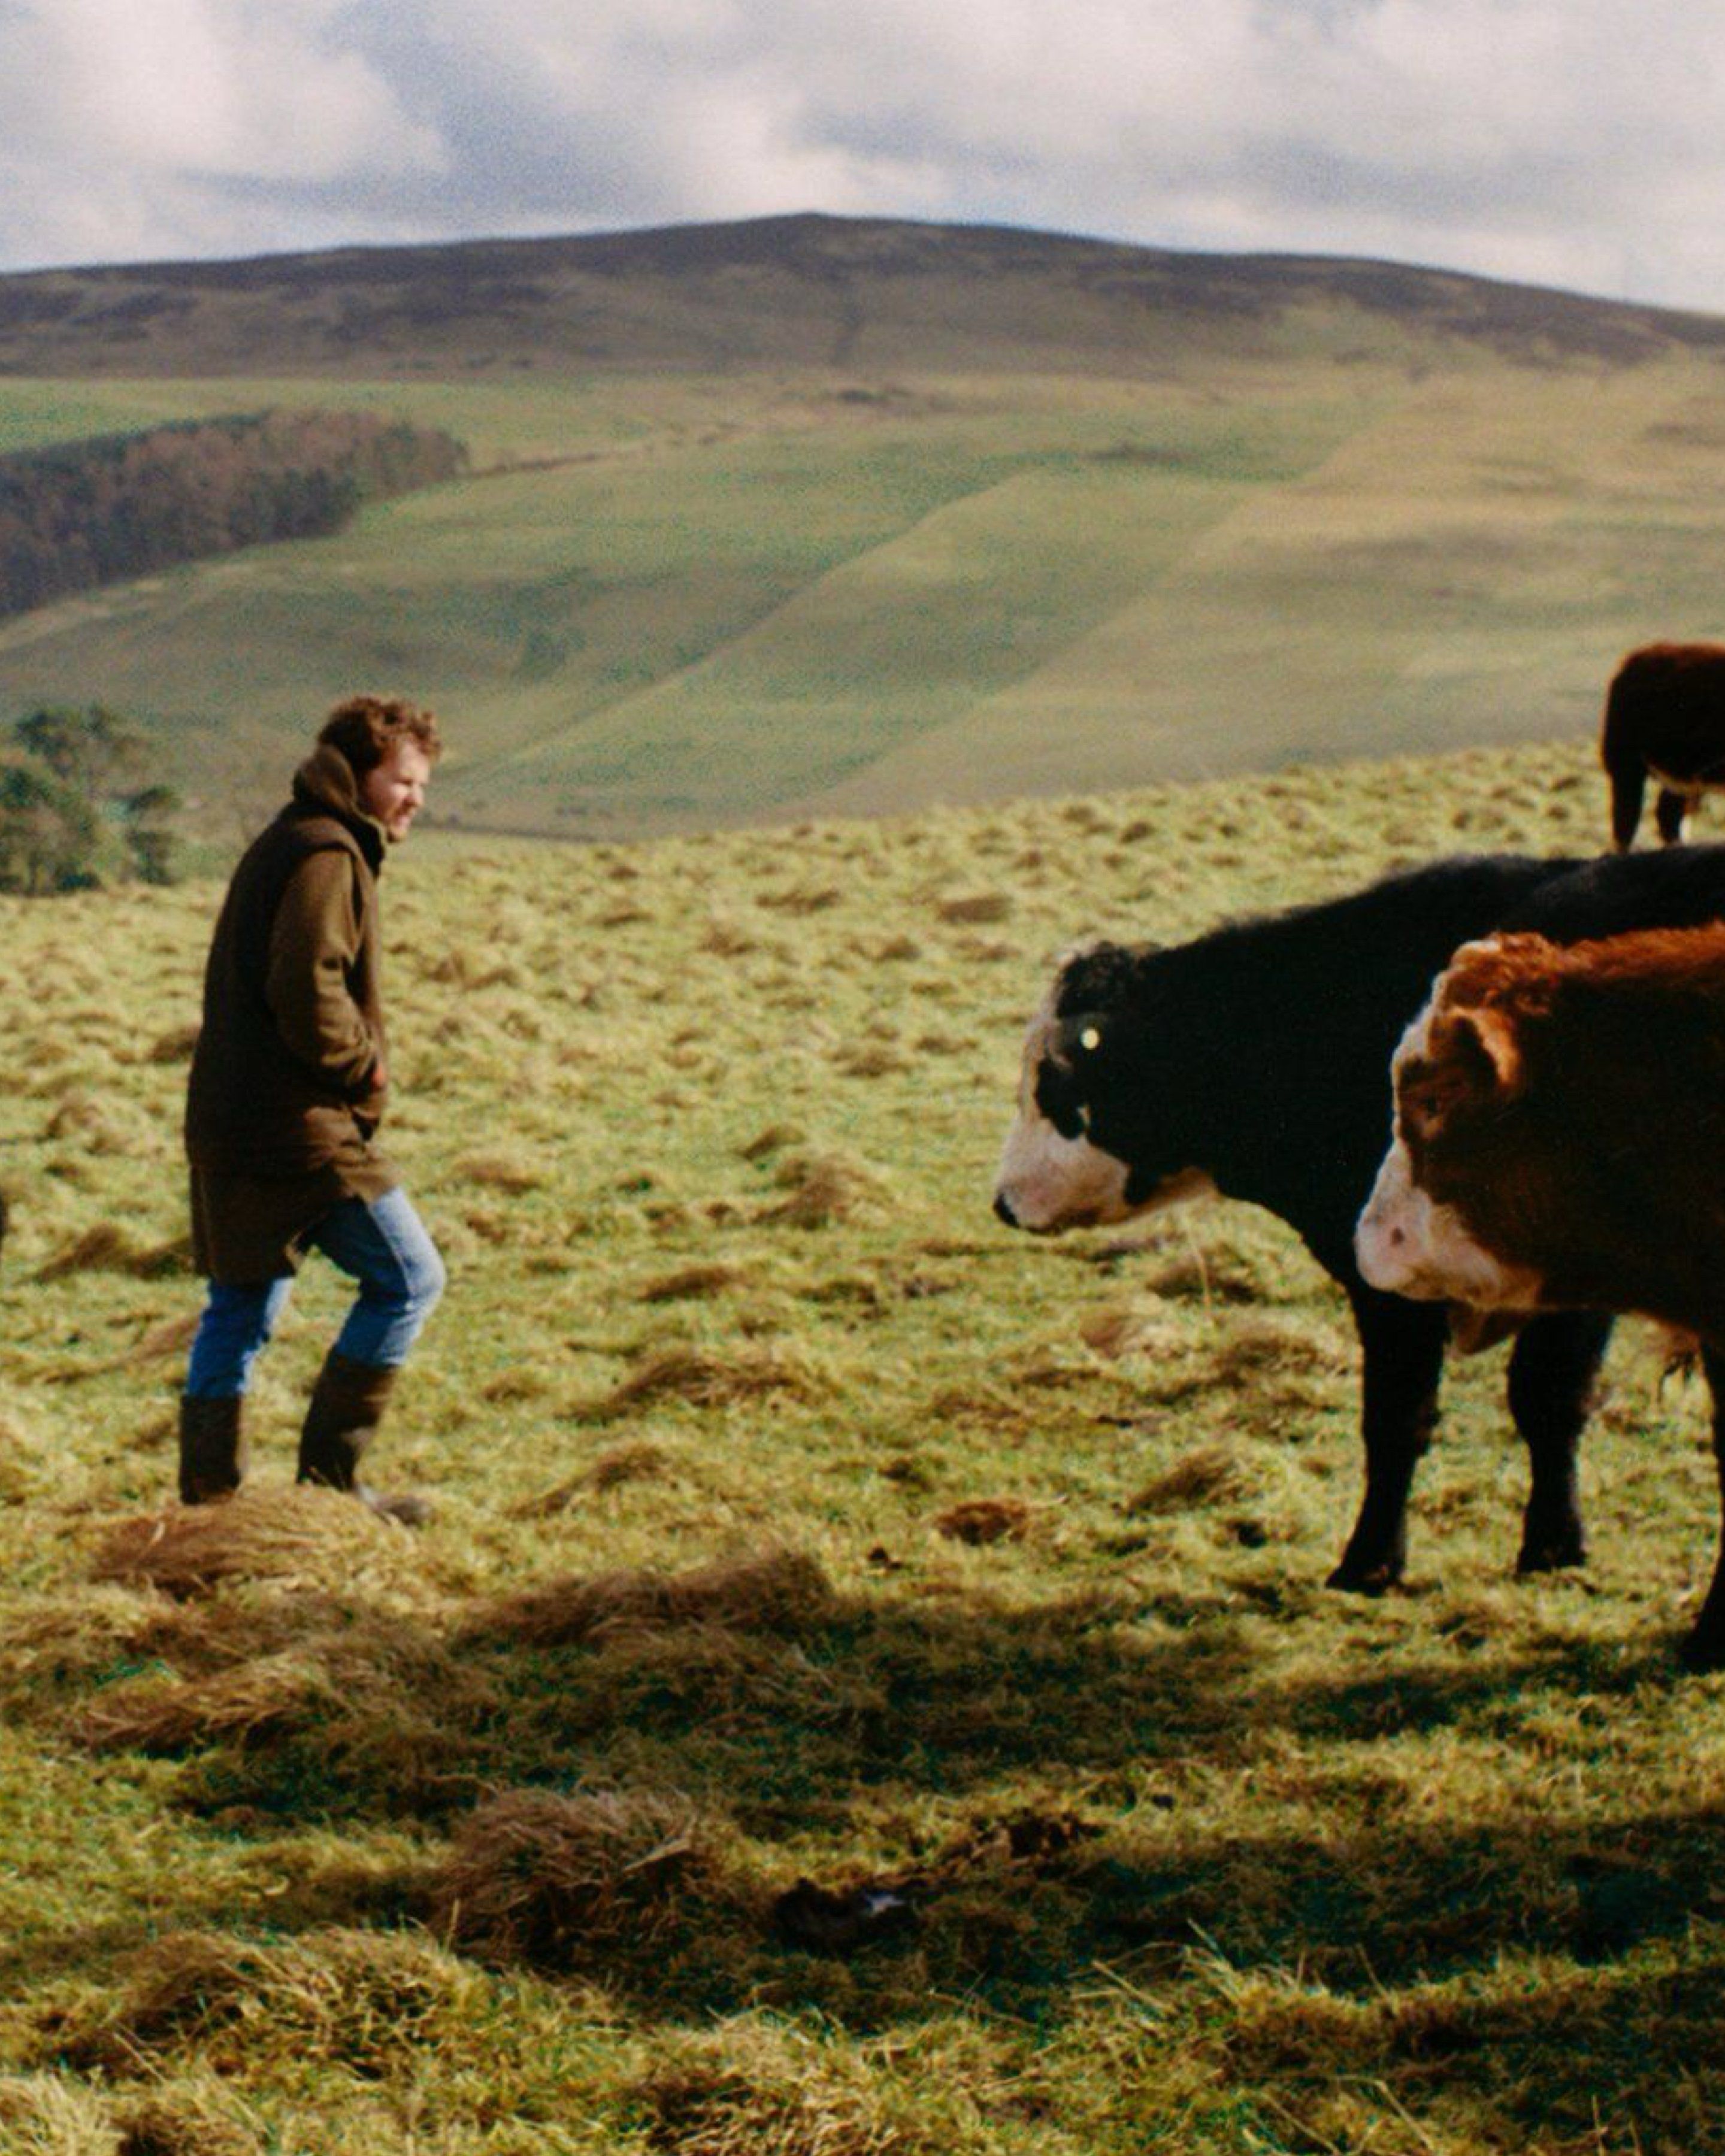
x,y
1053,1783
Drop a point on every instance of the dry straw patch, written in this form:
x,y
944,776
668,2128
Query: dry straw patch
x,y
755,2091
782,1591
707,1378
550,1880
162,1715
44,2115
822,1189
299,1538
360,1999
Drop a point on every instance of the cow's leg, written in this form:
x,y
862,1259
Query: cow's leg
x,y
1551,1374
1705,1647
1671,813
1401,1347
1629,787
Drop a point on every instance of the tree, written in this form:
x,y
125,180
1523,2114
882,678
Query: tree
x,y
71,813
90,751
147,821
49,839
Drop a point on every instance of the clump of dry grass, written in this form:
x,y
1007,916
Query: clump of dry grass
x,y
1206,1473
776,2091
976,906
783,1592
691,1283
183,2123
511,1173
162,1715
551,1881
705,1378
47,2115
982,1520
175,1045
1129,1329
821,1190
360,1999
641,1462
302,1537
107,1248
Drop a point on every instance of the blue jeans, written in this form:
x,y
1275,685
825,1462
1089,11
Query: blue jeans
x,y
382,1245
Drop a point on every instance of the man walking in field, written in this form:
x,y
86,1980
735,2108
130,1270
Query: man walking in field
x,y
287,1088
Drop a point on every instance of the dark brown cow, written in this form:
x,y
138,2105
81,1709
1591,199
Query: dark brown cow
x,y
1665,717
1559,1113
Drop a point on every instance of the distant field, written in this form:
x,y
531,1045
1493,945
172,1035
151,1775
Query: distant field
x,y
678,595
798,1522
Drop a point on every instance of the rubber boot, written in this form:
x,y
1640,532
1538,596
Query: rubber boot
x,y
211,1451
347,1405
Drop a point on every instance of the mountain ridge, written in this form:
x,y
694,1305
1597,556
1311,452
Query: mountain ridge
x,y
806,288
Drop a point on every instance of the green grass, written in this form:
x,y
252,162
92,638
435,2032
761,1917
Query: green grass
x,y
673,601
796,1521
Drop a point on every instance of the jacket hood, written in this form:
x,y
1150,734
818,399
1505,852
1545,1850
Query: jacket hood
x,y
326,785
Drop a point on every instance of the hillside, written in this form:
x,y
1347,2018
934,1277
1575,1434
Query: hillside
x,y
819,292
808,517
799,1523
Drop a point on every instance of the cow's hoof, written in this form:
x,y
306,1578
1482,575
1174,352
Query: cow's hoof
x,y
1352,1577
1703,1651
1559,1552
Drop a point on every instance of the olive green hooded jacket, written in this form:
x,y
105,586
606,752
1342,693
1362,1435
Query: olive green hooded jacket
x,y
289,1075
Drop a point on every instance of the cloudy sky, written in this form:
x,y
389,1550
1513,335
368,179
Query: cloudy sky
x,y
1572,143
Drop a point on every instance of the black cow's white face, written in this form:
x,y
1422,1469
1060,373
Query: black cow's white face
x,y
1057,1170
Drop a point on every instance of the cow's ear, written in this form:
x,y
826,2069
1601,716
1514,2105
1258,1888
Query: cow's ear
x,y
1485,1044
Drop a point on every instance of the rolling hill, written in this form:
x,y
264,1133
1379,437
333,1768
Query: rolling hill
x,y
811,516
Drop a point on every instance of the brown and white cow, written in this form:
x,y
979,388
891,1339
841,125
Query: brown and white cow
x,y
1665,717
1559,1143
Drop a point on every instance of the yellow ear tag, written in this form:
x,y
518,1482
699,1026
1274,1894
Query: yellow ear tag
x,y
1090,1038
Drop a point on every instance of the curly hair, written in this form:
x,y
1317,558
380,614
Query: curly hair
x,y
365,729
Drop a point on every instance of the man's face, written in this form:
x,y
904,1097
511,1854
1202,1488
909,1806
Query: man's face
x,y
394,790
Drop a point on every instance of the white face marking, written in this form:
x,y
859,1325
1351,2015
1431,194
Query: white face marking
x,y
1407,1245
1047,1183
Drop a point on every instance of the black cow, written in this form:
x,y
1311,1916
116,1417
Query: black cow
x,y
1255,1062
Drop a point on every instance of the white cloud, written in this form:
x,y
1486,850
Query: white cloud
x,y
1571,141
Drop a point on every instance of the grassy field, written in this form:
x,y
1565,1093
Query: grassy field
x,y
745,566
806,1537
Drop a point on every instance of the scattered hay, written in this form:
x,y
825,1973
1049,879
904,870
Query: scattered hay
x,y
771,1141
693,1282
1209,1472
643,1461
160,1343
301,1537
821,1190
45,2115
175,1046
872,1058
107,1248
1125,1329
805,899
782,1592
183,2124
362,2000
164,1716
774,2091
705,1379
550,1880
506,1172
977,906
725,939
982,1520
